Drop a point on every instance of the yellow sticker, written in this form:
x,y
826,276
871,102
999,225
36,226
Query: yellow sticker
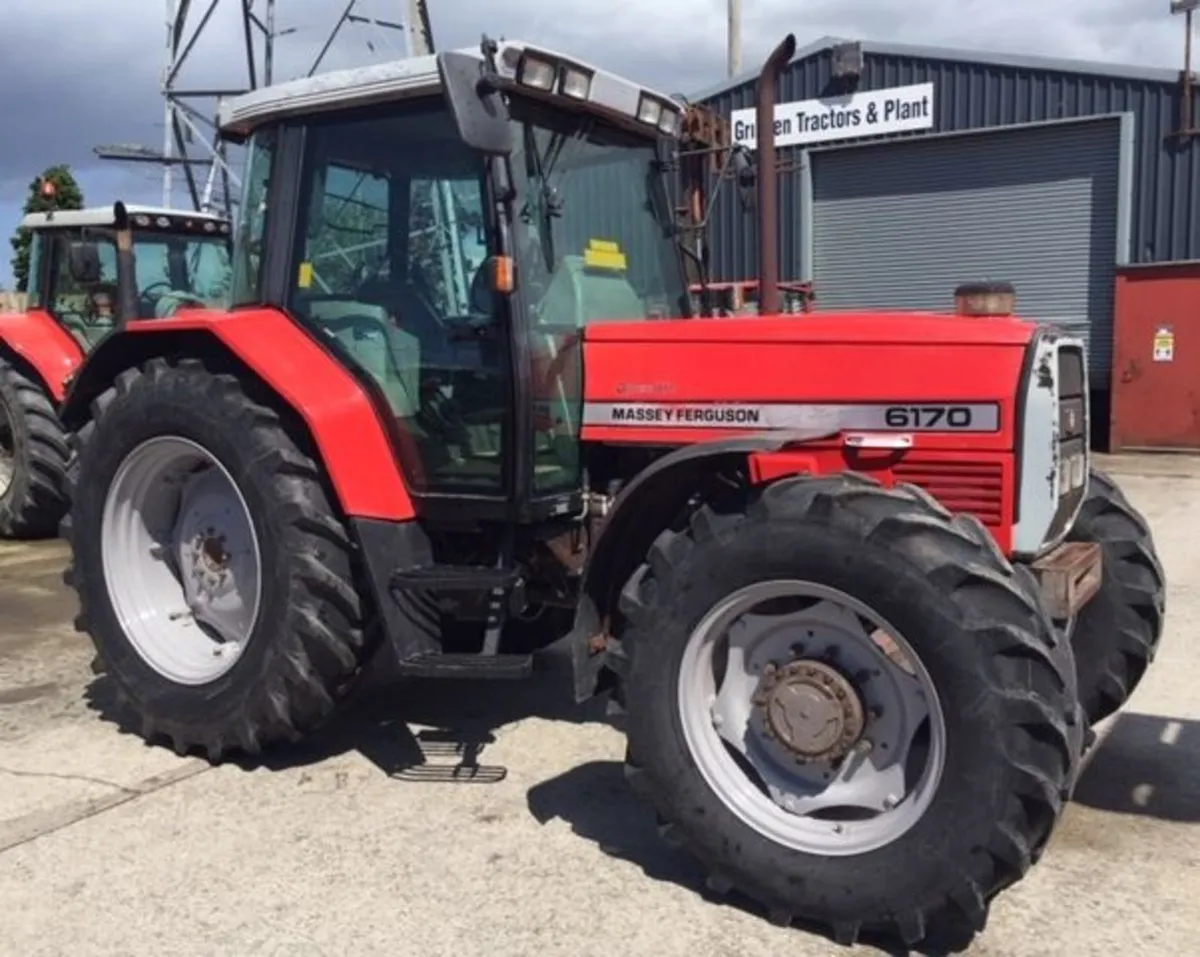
x,y
305,279
604,254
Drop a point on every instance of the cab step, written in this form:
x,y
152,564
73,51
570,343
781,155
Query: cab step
x,y
447,759
469,666
456,578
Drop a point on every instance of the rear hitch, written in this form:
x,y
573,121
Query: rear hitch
x,y
1069,576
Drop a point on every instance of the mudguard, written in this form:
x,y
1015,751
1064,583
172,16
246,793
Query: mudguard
x,y
341,418
637,516
44,346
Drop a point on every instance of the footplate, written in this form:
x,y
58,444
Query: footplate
x,y
1070,576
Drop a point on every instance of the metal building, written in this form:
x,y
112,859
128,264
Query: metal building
x,y
911,169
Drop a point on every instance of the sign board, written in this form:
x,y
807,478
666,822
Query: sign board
x,y
899,109
1164,344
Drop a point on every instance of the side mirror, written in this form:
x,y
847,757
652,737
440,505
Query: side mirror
x,y
478,109
83,263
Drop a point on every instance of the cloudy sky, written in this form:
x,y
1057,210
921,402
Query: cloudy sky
x,y
77,73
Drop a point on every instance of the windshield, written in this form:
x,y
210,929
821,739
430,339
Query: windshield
x,y
595,238
174,271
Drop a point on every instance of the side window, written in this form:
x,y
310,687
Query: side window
x,y
86,310
251,231
33,289
446,241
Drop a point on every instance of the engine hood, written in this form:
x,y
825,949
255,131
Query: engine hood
x,y
879,328
691,380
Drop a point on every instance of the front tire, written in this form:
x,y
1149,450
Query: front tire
x,y
1115,636
33,458
213,575
1000,683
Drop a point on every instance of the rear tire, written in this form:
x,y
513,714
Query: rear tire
x,y
1004,677
305,642
33,459
1117,633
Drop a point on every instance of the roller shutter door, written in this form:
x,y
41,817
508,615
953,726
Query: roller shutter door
x,y
900,225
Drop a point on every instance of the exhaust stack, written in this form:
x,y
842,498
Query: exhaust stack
x,y
127,294
769,299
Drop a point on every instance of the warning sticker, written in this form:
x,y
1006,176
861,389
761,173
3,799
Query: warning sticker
x,y
604,254
1164,344
305,279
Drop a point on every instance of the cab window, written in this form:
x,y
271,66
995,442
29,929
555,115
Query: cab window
x,y
87,310
389,265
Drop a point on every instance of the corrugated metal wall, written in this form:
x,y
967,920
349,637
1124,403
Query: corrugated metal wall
x,y
901,225
1165,224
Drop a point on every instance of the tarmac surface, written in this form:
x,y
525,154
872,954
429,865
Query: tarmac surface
x,y
344,846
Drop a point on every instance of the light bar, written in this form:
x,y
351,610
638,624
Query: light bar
x,y
180,223
554,74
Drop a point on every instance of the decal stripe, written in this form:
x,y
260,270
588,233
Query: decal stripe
x,y
876,417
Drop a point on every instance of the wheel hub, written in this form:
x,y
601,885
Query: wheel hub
x,y
811,709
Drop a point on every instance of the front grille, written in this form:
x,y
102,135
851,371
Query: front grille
x,y
1073,432
974,487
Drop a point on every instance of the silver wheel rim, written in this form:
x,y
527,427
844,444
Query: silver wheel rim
x,y
181,560
756,683
8,449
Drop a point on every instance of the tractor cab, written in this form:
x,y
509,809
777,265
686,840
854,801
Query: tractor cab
x,y
74,269
452,246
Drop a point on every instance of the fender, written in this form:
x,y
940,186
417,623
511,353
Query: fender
x,y
341,417
637,517
46,347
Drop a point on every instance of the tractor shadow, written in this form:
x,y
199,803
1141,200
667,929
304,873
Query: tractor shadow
x,y
1145,765
455,719
596,802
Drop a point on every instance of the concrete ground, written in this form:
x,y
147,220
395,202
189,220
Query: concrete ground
x,y
111,847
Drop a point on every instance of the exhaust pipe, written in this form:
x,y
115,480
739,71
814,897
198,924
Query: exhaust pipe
x,y
127,295
769,299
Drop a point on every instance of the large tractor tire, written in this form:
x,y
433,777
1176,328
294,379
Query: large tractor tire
x,y
213,574
33,459
1116,634
849,706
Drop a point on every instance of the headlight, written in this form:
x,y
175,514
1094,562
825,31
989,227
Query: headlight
x,y
535,72
649,110
576,83
1053,457
668,123
1072,469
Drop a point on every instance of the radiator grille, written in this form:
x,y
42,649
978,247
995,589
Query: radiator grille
x,y
974,487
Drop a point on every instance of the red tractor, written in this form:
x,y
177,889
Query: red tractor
x,y
829,568
71,305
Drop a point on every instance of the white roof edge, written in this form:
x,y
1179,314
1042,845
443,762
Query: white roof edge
x,y
103,216
1018,61
381,82
358,86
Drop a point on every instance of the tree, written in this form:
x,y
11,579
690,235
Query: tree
x,y
67,196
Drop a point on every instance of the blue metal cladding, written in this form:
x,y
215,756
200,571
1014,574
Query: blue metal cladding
x,y
1165,205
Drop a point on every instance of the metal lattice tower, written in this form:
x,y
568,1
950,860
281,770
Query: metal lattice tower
x,y
191,150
